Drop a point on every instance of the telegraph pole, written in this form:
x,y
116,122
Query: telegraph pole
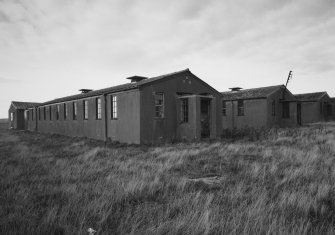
x,y
288,79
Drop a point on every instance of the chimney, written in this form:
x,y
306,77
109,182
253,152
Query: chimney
x,y
236,88
85,90
136,78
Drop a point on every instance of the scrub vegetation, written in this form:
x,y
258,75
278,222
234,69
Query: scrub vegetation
x,y
281,181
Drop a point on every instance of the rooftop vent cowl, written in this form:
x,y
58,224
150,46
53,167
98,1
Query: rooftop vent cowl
x,y
236,88
85,90
136,78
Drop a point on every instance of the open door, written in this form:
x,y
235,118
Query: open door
x,y
299,114
205,117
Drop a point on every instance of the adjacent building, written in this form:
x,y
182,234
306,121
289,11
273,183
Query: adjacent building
x,y
18,114
315,107
272,106
169,107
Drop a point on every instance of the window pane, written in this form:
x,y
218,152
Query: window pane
x,y
159,105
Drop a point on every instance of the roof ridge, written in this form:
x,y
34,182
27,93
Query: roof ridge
x,y
248,89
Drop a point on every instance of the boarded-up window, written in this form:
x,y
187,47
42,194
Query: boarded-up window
x,y
159,105
240,108
57,112
224,108
286,110
75,110
65,111
273,108
113,107
85,109
184,110
98,108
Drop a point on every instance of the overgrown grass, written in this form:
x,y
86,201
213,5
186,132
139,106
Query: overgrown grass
x,y
283,183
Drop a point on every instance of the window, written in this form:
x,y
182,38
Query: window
x,y
12,116
57,112
32,114
50,114
224,108
39,113
98,108
74,106
44,113
65,111
85,109
321,107
286,110
184,110
114,107
28,114
273,108
240,108
159,105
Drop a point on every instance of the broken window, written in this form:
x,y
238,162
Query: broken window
x,y
159,105
184,110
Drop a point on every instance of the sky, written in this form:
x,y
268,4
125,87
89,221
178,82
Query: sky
x,y
53,48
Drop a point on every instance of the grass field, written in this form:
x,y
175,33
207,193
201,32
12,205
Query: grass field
x,y
282,182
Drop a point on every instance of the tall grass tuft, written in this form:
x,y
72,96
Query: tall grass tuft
x,y
279,181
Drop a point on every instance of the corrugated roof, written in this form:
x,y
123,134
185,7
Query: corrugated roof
x,y
123,87
315,96
24,105
254,93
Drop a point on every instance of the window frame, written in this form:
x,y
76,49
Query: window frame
x,y
57,111
224,108
85,109
160,113
98,108
184,110
273,107
74,110
240,108
114,107
286,110
65,111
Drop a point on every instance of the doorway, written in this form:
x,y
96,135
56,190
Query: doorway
x,y
205,117
299,114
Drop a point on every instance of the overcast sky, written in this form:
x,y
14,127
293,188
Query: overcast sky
x,y
50,49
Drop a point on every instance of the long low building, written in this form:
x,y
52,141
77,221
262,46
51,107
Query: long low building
x,y
273,106
316,107
169,107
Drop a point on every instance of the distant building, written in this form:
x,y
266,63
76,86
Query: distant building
x,y
18,114
273,106
316,107
173,106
